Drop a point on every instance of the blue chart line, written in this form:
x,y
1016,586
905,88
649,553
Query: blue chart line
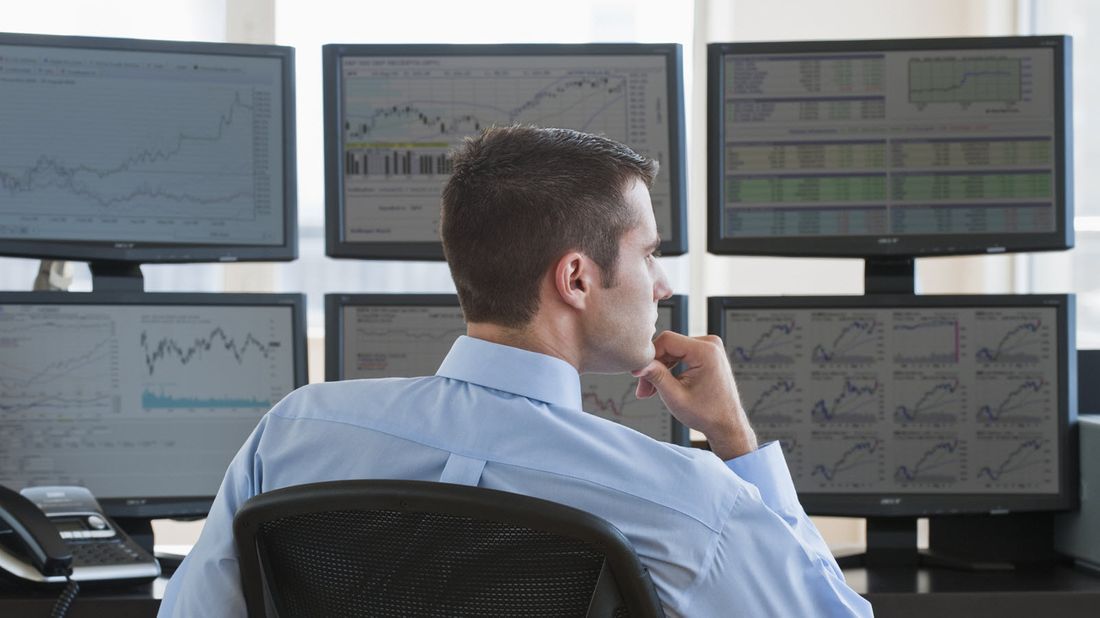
x,y
1023,457
168,347
846,346
858,456
84,180
416,113
155,401
74,403
458,124
60,369
611,406
1010,348
941,333
940,455
766,347
1023,398
772,400
933,405
846,407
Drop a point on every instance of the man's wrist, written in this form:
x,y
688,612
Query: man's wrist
x,y
732,442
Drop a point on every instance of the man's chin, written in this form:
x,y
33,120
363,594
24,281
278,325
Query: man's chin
x,y
646,358
627,365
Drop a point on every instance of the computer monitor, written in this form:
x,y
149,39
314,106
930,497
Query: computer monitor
x,y
406,335
890,147
911,405
142,398
124,150
894,407
394,112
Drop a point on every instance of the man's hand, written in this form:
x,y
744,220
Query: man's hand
x,y
704,395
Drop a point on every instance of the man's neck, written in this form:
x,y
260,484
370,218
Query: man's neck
x,y
533,338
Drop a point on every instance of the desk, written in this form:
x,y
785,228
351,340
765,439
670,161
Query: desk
x,y
129,602
1061,592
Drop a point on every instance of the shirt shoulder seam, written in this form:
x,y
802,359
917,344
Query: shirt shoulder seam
x,y
712,553
481,456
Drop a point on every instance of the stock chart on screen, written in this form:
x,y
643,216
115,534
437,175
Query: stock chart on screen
x,y
919,400
401,115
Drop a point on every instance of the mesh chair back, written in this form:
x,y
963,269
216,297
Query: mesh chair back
x,y
410,548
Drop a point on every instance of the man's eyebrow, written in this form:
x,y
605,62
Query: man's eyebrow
x,y
656,244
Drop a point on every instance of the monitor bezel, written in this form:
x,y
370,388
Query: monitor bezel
x,y
162,252
889,504
889,244
337,247
334,330
145,507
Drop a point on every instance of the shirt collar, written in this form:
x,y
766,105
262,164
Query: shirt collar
x,y
512,370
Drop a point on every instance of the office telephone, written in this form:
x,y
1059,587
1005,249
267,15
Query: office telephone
x,y
52,534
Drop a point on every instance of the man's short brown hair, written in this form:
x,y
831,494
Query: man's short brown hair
x,y
519,198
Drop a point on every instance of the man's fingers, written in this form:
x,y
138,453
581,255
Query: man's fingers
x,y
651,378
672,348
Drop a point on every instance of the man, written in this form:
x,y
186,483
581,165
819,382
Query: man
x,y
552,243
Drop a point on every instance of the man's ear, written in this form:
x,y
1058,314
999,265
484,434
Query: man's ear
x,y
574,277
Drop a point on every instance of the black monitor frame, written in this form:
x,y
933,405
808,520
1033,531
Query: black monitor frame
x,y
893,245
337,247
143,507
162,252
1088,387
922,505
334,330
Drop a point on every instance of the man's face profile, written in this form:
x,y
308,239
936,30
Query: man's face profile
x,y
622,322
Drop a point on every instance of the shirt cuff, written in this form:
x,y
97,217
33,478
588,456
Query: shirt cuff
x,y
766,468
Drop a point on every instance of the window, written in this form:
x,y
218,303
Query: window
x,y
1077,270
184,20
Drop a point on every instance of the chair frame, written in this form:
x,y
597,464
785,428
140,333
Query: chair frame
x,y
623,576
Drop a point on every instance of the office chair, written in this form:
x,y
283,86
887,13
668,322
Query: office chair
x,y
413,548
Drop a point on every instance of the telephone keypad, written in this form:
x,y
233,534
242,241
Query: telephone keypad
x,y
104,553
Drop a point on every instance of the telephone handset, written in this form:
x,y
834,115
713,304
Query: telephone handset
x,y
50,534
34,534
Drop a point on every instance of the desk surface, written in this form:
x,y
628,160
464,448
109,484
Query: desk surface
x,y
1061,591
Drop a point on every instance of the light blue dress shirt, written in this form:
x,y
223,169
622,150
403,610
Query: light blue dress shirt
x,y
719,538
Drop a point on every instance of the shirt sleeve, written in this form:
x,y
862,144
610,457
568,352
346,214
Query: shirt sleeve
x,y
769,559
207,583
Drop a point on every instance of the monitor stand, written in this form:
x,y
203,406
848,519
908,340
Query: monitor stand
x,y
968,543
889,275
892,542
116,277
